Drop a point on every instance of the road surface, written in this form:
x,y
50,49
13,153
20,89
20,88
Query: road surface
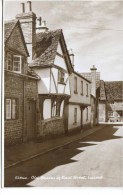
x,y
94,161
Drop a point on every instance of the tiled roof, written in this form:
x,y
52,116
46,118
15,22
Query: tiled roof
x,y
46,47
114,90
31,73
8,28
88,76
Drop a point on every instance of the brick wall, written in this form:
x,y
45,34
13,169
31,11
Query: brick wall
x,y
51,127
14,128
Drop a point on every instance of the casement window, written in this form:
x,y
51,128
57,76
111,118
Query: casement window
x,y
75,115
81,87
9,62
61,76
75,84
14,63
86,114
17,63
86,89
10,108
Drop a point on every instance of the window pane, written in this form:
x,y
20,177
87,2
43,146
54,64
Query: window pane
x,y
9,62
17,63
75,84
13,109
16,66
8,108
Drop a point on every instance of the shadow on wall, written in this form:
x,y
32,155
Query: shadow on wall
x,y
41,165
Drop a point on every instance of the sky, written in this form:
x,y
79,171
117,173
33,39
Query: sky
x,y
93,29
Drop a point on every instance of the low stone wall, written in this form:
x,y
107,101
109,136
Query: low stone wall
x,y
51,127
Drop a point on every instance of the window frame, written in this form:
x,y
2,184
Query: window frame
x,y
75,84
12,109
61,76
8,60
87,114
13,61
75,115
18,56
82,84
87,94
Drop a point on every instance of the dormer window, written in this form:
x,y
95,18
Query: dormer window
x,y
61,76
14,63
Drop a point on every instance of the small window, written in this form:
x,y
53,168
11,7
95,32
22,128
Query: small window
x,y
61,76
9,62
54,109
75,115
75,84
86,114
14,63
11,108
81,87
110,114
17,64
86,89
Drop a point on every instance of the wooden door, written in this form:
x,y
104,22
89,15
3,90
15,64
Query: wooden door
x,y
30,120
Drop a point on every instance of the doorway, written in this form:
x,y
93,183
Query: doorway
x,y
31,120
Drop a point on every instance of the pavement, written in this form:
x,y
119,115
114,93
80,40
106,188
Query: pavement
x,y
20,153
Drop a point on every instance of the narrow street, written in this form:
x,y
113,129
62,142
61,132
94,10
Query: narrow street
x,y
94,161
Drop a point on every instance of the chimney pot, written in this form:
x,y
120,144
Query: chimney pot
x,y
39,19
43,23
23,7
71,56
30,5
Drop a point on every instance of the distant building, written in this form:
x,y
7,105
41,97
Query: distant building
x,y
94,78
111,101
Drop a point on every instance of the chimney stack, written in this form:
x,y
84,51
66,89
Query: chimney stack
x,y
41,27
93,80
23,7
28,24
71,56
30,5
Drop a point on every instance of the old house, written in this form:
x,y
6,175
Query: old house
x,y
94,77
50,60
79,103
111,101
21,100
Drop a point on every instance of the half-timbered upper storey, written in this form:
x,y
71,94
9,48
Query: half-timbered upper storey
x,y
52,63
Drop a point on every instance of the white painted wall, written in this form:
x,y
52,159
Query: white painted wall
x,y
47,109
59,61
61,88
71,124
78,98
62,108
102,112
89,115
44,83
